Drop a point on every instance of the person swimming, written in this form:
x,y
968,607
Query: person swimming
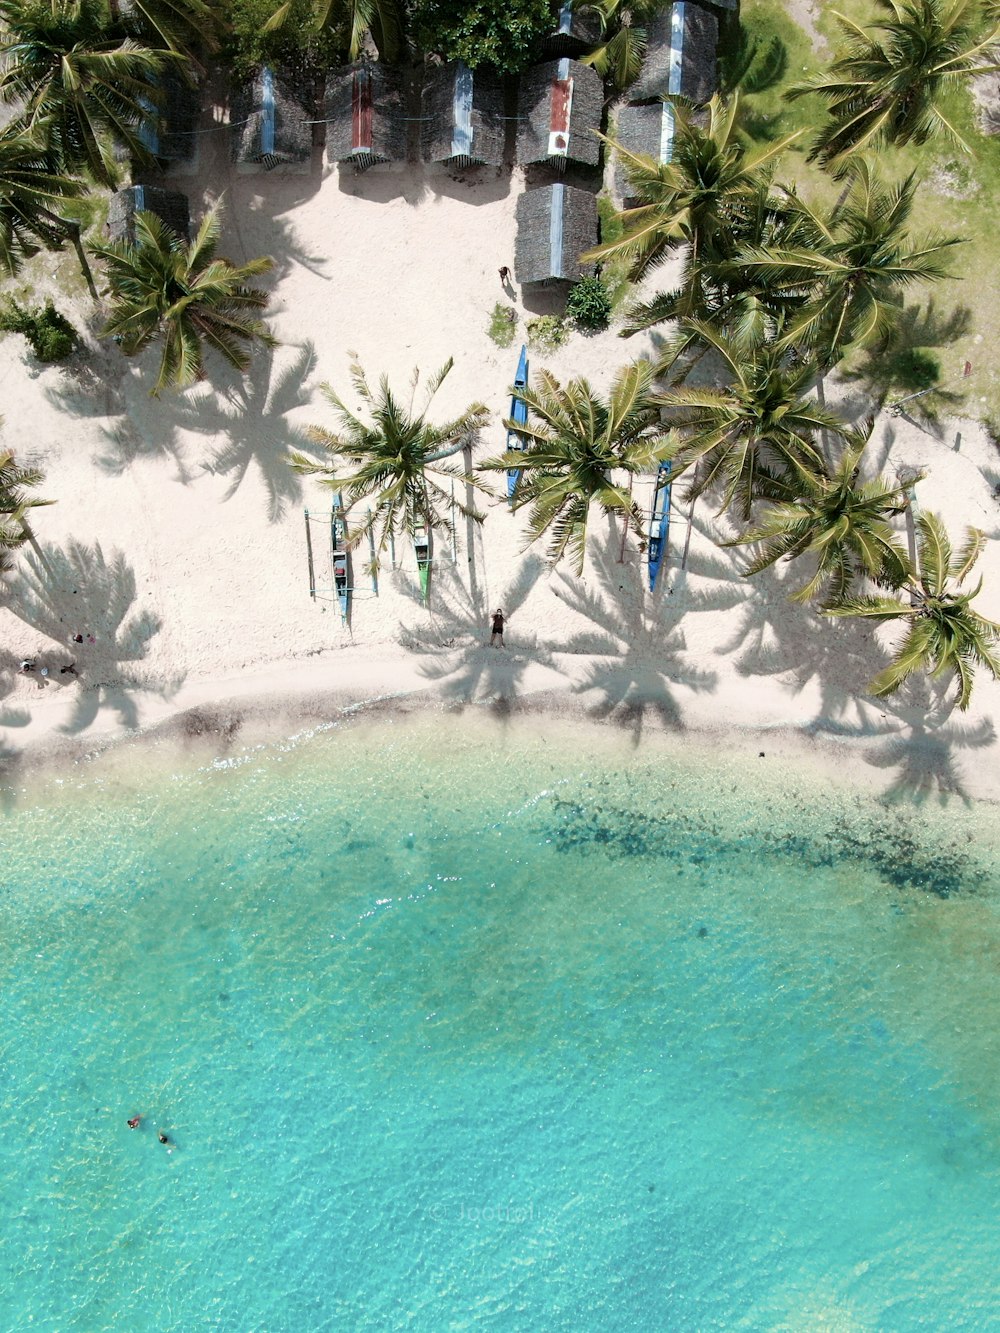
x,y
135,1121
164,1138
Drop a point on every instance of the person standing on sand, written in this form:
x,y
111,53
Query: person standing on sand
x,y
504,276
499,619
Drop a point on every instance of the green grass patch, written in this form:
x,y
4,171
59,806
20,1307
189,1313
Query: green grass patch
x,y
503,324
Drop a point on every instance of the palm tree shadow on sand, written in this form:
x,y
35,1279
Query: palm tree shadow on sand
x,y
473,670
639,639
79,590
251,412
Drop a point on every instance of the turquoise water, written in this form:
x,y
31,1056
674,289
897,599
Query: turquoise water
x,y
460,1027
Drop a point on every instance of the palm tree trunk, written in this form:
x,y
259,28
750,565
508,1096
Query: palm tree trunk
x,y
71,231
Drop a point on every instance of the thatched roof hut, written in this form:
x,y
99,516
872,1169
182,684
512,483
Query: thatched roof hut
x,y
579,30
272,125
555,224
462,117
560,105
168,130
366,117
647,130
169,206
681,58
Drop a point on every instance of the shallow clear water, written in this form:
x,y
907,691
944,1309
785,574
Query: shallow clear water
x,y
458,1027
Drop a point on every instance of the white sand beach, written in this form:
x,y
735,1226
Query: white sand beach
x,y
178,539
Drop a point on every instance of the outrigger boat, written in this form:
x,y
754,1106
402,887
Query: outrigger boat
x,y
518,413
338,547
659,524
422,549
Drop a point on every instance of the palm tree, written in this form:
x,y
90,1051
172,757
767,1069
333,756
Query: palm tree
x,y
181,26
843,524
395,457
164,288
700,198
945,635
30,189
755,435
573,446
852,266
15,501
624,38
384,19
884,87
77,80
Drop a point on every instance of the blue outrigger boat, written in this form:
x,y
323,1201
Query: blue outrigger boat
x,y
338,550
659,524
518,413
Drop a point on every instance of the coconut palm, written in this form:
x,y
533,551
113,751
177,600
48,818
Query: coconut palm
x,y
852,266
754,435
15,501
945,635
624,38
30,190
700,198
574,443
181,26
77,80
383,19
164,288
843,524
885,86
394,457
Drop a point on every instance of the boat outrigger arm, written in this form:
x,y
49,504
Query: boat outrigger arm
x,y
519,414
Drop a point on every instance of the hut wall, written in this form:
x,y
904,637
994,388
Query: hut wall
x,y
272,128
168,205
560,105
462,117
647,130
366,118
555,224
169,130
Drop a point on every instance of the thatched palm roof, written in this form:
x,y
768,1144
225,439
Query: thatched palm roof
x,y
647,130
272,128
168,131
682,54
168,205
555,224
365,116
462,116
578,30
560,105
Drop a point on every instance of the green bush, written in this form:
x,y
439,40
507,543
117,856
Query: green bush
x,y
503,324
295,46
51,335
589,304
547,333
503,33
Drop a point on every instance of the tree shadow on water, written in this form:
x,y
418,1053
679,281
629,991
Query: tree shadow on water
x,y
79,590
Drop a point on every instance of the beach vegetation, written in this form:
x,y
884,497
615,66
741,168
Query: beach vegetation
x,y
574,444
182,294
16,499
945,637
505,34
266,32
842,524
81,85
624,38
51,336
186,27
589,304
394,456
351,21
546,333
753,435
885,85
503,324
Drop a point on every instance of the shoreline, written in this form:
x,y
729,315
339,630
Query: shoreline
x,y
230,715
